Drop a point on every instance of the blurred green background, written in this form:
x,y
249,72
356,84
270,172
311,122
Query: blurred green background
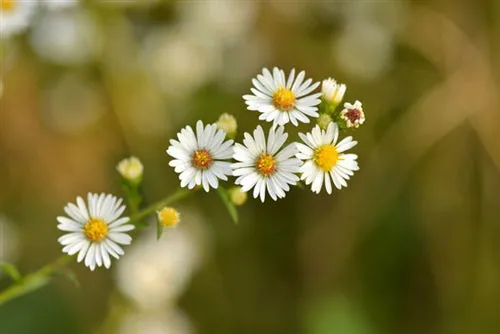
x,y
411,246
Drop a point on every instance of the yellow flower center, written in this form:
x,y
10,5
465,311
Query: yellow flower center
x,y
202,159
266,164
7,5
95,229
326,156
284,99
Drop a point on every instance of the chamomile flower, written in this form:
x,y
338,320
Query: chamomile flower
x,y
264,166
15,16
325,160
95,230
198,158
281,100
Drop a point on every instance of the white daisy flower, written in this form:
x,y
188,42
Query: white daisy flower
x,y
281,100
198,157
95,230
324,160
264,166
353,114
15,16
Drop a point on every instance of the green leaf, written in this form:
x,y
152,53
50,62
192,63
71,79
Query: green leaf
x,y
231,208
10,270
159,229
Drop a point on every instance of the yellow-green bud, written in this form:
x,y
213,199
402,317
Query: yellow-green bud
x,y
324,120
237,196
228,123
131,169
168,217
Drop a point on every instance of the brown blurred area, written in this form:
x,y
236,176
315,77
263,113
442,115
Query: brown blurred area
x,y
411,246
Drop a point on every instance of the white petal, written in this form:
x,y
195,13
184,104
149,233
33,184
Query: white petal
x,y
105,256
83,251
120,238
90,257
82,207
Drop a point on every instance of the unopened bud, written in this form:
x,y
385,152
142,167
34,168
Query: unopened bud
x,y
323,121
131,169
228,123
237,196
332,92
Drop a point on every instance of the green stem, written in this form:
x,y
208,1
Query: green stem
x,y
38,279
178,195
32,281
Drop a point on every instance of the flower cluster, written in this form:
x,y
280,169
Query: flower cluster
x,y
265,163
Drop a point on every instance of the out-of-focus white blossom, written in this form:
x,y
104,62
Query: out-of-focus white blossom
x,y
155,273
73,104
391,16
179,61
366,45
223,22
156,322
15,16
58,4
364,49
66,37
128,3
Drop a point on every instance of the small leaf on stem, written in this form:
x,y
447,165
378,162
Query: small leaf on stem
x,y
11,271
231,208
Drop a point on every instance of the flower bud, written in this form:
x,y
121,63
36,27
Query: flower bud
x,y
333,92
228,123
237,196
131,169
353,114
168,217
323,121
